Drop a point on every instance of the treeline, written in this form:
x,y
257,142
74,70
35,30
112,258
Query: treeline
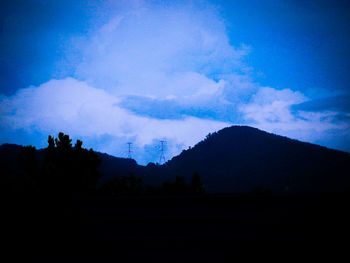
x,y
64,169
60,169
131,185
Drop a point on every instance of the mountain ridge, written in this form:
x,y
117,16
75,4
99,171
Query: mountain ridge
x,y
243,150
240,159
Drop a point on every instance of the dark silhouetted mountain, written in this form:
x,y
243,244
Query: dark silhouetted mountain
x,y
241,158
234,159
114,166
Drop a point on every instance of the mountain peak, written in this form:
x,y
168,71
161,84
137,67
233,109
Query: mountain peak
x,y
237,158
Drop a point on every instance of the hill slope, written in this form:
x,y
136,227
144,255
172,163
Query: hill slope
x,y
240,158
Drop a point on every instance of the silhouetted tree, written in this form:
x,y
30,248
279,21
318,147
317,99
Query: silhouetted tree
x,y
78,145
69,169
63,143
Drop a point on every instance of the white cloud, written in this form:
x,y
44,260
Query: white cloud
x,y
158,51
76,108
272,106
270,110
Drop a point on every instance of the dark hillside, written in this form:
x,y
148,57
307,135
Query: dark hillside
x,y
241,158
113,166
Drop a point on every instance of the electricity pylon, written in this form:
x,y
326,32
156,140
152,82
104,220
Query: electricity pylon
x,y
162,157
129,149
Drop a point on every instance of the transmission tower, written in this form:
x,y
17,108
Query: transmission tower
x,y
129,149
162,157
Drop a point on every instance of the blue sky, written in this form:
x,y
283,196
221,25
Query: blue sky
x,y
112,72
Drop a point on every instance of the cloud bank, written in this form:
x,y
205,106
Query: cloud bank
x,y
76,108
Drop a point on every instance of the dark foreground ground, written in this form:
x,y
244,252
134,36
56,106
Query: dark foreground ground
x,y
209,228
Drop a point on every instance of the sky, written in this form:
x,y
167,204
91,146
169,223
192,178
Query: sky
x,y
112,72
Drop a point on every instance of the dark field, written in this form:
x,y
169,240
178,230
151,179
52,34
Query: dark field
x,y
209,227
